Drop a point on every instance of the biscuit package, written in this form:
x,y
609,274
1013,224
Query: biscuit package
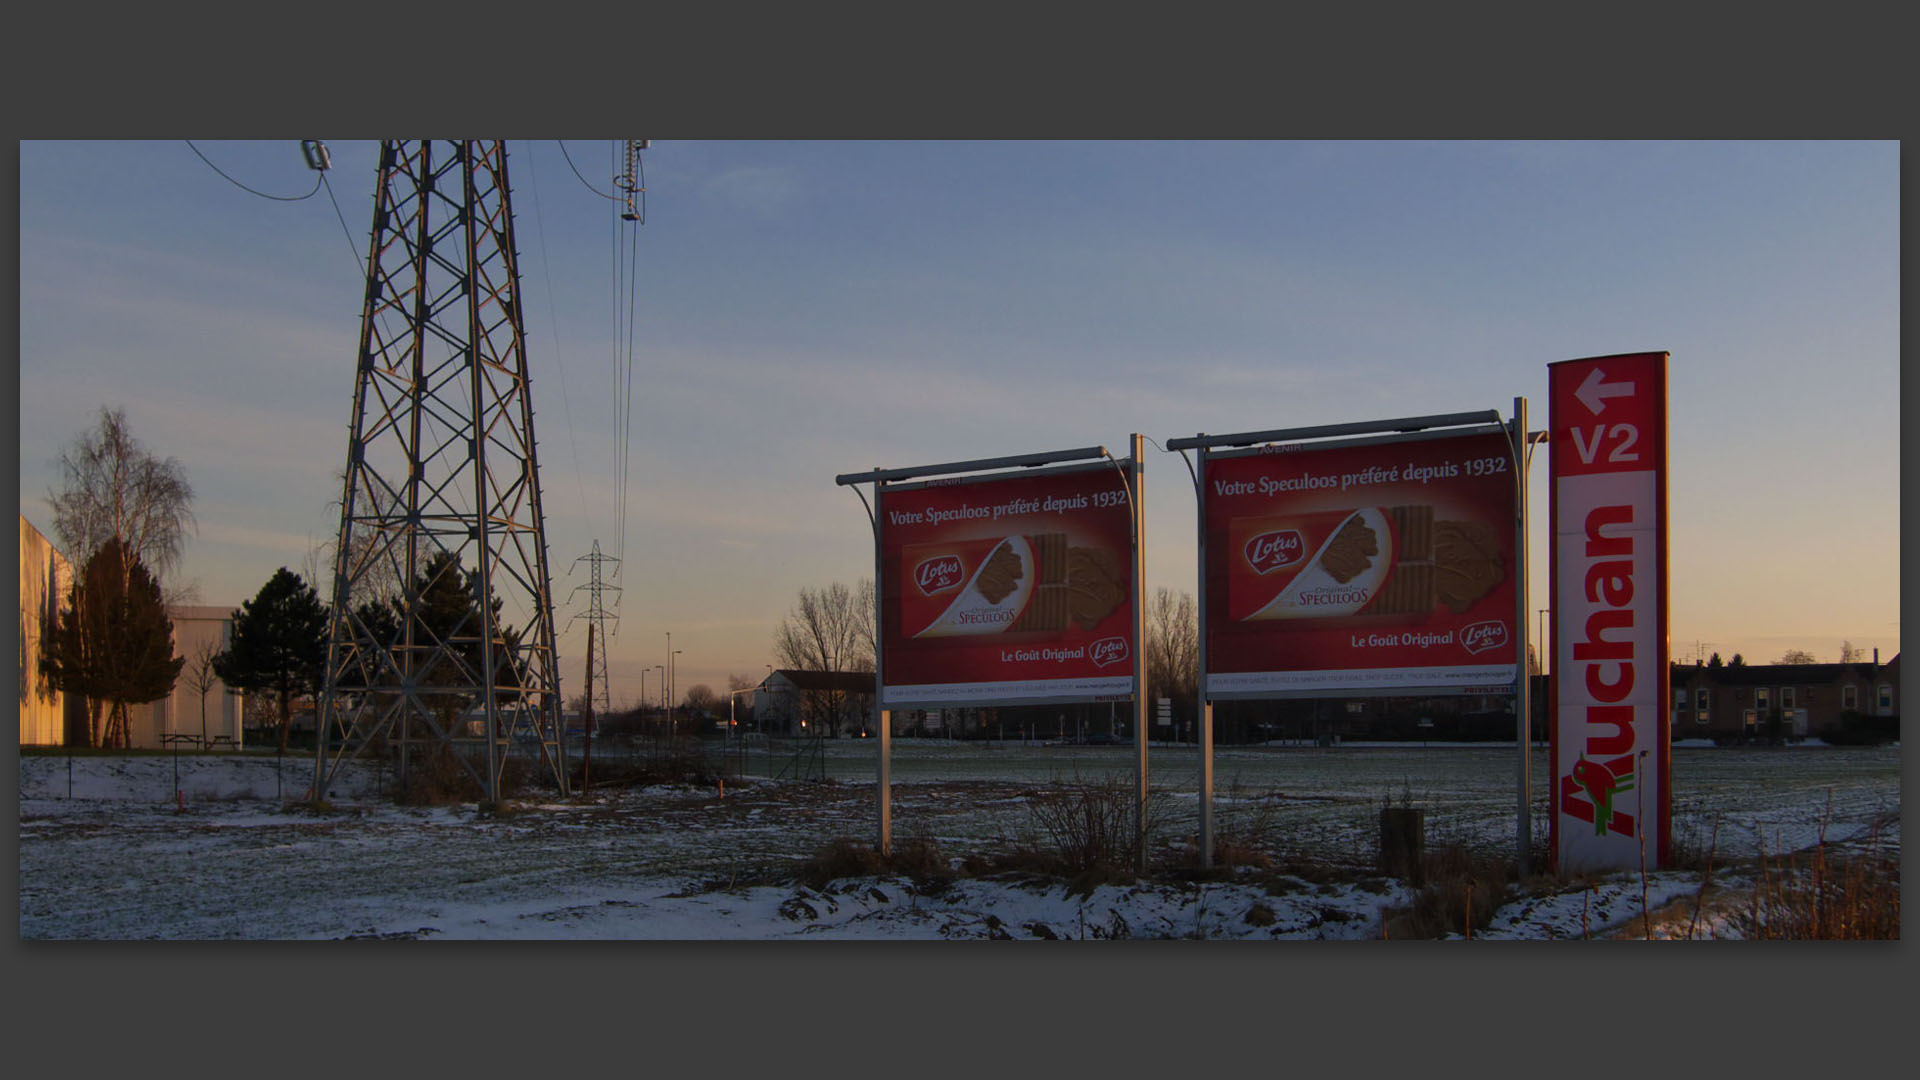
x,y
1369,560
1035,584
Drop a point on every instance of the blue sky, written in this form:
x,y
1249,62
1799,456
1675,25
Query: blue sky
x,y
809,309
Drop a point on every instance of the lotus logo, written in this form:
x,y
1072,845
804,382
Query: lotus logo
x,y
1271,551
1106,651
1482,636
938,574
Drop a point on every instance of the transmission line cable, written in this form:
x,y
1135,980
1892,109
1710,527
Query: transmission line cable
x,y
576,171
248,190
546,268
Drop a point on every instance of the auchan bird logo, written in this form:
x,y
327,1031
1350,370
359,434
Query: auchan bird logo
x,y
1274,550
938,574
1601,784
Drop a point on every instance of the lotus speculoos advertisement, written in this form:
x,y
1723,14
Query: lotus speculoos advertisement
x,y
1007,589
1371,567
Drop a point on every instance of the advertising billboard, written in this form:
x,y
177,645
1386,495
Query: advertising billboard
x,y
1007,589
1365,567
1607,418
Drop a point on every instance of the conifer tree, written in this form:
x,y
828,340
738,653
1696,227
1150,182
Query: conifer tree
x,y
279,644
113,644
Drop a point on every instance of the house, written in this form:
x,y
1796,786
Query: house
x,y
46,576
795,702
51,718
1736,702
198,632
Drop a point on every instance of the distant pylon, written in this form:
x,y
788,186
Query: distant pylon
x,y
596,616
442,625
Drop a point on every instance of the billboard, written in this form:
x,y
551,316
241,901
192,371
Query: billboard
x,y
1007,589
1607,417
1367,567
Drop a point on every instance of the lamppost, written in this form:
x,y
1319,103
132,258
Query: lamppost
x,y
671,688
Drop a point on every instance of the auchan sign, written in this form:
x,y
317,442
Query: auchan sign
x,y
1610,731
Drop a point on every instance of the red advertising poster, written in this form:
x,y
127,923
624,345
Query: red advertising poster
x,y
1007,589
1610,730
1372,567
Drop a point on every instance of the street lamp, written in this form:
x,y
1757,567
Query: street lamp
x,y
671,688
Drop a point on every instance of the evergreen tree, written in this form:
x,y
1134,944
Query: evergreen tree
x,y
114,643
445,613
279,644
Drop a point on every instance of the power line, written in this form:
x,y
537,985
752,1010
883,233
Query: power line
x,y
250,191
576,171
553,316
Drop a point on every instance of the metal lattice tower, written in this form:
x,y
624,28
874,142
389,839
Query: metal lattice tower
x,y
442,631
596,616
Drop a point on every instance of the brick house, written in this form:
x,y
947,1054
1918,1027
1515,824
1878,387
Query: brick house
x,y
1736,702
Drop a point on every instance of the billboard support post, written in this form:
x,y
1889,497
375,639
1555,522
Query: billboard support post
x,y
1205,710
1523,679
1136,475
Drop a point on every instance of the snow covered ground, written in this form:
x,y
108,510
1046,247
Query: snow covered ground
x,y
112,848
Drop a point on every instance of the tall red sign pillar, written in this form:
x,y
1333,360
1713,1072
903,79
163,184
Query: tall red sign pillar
x,y
1611,735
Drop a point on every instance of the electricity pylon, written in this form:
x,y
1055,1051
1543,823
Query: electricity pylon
x,y
596,616
442,632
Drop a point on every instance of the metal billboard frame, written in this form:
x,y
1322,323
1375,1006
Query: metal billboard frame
x,y
980,470
1365,433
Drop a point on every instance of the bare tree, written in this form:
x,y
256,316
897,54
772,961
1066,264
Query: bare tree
x,y
201,679
374,570
1851,654
1797,656
701,699
1173,647
829,629
113,488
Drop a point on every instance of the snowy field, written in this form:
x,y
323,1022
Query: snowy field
x,y
110,848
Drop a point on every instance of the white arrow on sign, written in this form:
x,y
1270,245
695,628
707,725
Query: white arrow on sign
x,y
1594,392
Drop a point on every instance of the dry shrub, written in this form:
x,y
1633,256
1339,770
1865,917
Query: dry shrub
x,y
1086,829
645,762
1243,836
918,858
440,776
1461,891
436,777
1828,894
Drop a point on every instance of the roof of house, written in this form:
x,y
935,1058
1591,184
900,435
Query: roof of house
x,y
1779,674
852,682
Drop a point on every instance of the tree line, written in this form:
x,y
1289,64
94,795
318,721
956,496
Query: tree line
x,y
123,514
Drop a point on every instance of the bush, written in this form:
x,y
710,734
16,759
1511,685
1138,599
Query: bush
x,y
1460,895
440,776
1829,895
918,858
1858,729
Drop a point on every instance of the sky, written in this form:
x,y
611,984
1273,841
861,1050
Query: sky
x,y
802,310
